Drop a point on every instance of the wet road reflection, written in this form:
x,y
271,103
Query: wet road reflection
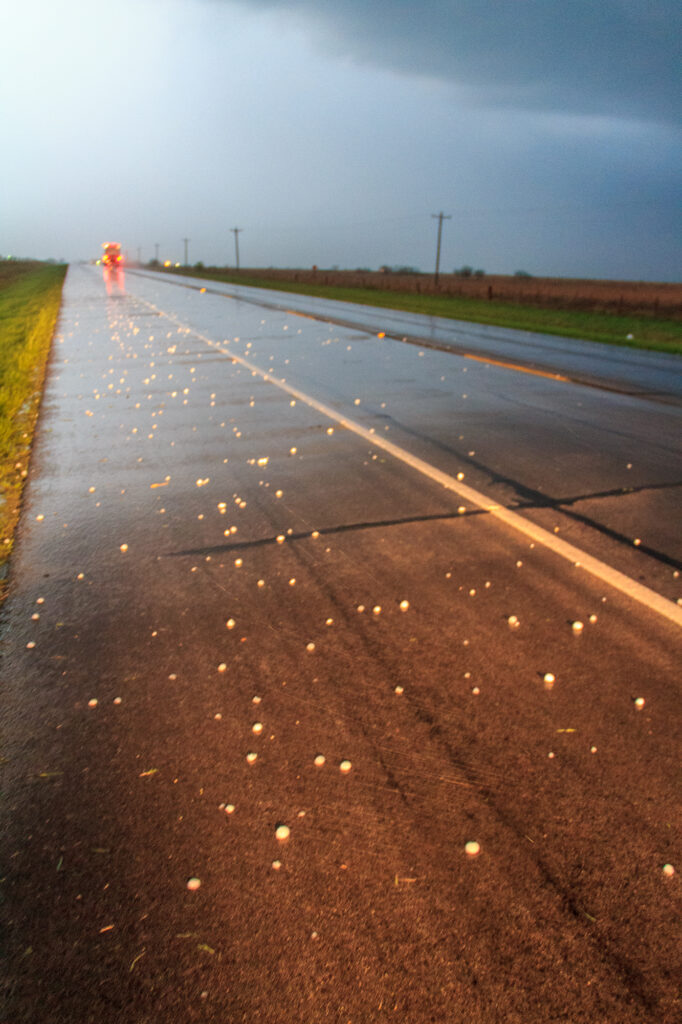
x,y
114,280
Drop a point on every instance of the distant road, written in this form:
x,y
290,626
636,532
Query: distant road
x,y
622,369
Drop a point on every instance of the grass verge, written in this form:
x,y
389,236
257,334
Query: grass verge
x,y
652,333
30,296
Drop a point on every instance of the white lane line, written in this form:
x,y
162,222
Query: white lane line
x,y
580,559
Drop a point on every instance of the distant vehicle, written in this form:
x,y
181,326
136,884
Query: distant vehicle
x,y
112,254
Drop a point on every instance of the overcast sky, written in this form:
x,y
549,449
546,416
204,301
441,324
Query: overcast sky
x,y
332,130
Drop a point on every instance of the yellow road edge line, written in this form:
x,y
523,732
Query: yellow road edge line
x,y
515,366
578,558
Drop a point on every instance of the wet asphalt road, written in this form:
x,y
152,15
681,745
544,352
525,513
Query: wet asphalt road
x,y
655,375
210,568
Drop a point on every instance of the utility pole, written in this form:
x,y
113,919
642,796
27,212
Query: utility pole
x,y
139,254
236,244
156,251
440,217
186,241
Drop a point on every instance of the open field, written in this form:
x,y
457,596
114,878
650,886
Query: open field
x,y
30,294
604,311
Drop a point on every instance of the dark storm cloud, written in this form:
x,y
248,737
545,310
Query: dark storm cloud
x,y
617,58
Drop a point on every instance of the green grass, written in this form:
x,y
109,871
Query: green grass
x,y
30,295
648,332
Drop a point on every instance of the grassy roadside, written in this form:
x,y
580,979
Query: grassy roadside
x,y
30,295
658,334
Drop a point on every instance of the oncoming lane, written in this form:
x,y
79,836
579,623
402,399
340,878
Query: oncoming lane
x,y
601,471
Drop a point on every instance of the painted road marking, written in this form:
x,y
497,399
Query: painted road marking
x,y
578,558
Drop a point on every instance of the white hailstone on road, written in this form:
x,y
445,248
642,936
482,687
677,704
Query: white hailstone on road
x,y
256,700
462,509
549,679
292,581
551,754
639,703
519,564
376,610
93,702
293,450
229,808
404,605
668,870
319,760
513,622
193,883
39,518
593,750
276,865
230,623
330,430
257,728
282,833
218,717
356,401
593,619
239,562
222,667
251,757
278,494
472,848
261,583
263,461
361,608
117,700
124,548
31,644
315,534
345,767
280,538
310,646
577,626
80,576
636,542
40,600
399,690
475,690
460,476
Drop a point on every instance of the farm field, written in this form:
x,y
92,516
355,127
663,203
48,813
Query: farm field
x,y
30,295
637,314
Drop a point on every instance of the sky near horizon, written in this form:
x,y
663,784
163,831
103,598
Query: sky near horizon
x,y
331,132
